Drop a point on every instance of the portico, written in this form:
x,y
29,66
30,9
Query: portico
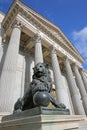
x,y
27,33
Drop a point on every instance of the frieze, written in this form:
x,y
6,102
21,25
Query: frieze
x,y
38,24
55,29
34,21
58,47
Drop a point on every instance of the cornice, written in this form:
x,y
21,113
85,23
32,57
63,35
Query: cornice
x,y
65,43
42,24
49,42
2,13
52,26
45,30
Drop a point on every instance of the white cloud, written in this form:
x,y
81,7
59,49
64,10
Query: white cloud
x,y
80,41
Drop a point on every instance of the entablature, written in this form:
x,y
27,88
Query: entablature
x,y
22,13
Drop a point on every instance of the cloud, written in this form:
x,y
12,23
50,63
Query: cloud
x,y
80,41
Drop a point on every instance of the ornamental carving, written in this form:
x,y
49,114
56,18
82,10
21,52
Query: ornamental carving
x,y
17,24
37,38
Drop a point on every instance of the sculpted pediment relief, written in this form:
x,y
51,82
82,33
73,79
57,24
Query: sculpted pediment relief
x,y
42,24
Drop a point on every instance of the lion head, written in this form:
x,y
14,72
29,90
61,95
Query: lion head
x,y
40,69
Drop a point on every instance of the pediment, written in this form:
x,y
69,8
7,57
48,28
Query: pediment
x,y
55,31
46,27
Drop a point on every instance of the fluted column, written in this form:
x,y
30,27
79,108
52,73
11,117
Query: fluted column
x,y
57,77
81,87
38,49
75,95
84,79
8,75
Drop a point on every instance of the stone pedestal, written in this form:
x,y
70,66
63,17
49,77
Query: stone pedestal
x,y
47,119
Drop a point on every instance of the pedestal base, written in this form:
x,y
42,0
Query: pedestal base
x,y
37,111
28,120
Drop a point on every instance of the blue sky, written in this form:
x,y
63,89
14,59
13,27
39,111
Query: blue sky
x,y
69,15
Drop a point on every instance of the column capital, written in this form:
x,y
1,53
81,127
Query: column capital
x,y
75,65
37,38
17,24
53,49
38,49
81,70
65,58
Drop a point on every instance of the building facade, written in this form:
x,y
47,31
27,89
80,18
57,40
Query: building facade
x,y
26,38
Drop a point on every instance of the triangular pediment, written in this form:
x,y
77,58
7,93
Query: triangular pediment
x,y
55,31
46,26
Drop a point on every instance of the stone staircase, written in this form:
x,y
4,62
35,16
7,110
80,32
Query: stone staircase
x,y
82,125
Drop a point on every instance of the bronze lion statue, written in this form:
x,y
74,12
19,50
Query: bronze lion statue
x,y
39,91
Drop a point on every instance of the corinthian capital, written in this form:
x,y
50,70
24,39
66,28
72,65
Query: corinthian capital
x,y
53,50
17,24
37,38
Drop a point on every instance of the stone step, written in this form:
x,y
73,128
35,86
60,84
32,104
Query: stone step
x,y
82,125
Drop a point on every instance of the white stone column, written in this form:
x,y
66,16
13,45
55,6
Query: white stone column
x,y
75,94
84,79
38,49
29,64
81,87
0,34
8,75
60,95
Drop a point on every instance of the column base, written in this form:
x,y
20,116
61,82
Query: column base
x,y
43,121
85,104
78,106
